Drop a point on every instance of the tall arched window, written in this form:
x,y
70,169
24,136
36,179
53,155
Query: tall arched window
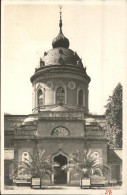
x,y
80,97
40,97
60,96
25,156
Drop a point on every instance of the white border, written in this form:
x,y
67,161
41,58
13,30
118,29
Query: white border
x,y
123,191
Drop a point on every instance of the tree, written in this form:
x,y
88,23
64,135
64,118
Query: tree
x,y
36,166
113,116
86,164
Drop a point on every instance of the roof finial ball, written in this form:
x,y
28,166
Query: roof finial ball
x,y
60,40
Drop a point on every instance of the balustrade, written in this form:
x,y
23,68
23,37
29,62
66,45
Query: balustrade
x,y
25,134
95,133
62,115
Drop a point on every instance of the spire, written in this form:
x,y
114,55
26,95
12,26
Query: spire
x,y
60,40
60,24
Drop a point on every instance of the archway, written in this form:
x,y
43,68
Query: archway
x,y
60,176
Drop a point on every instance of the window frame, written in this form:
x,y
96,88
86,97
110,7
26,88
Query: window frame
x,y
40,99
79,97
60,96
56,129
27,157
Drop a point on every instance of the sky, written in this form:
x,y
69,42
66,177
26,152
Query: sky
x,y
96,31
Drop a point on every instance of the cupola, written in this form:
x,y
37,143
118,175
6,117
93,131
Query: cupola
x,y
60,40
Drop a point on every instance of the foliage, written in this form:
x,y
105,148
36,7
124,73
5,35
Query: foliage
x,y
114,117
86,164
37,166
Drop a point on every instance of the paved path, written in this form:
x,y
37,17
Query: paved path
x,y
66,190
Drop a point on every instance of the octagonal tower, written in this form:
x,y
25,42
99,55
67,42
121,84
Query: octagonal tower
x,y
60,78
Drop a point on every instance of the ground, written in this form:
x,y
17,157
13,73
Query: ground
x,y
59,187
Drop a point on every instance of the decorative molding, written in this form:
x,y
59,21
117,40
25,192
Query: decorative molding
x,y
49,84
96,133
68,115
59,75
71,85
72,107
60,151
60,131
63,154
39,86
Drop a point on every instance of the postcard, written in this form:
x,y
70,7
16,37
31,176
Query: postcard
x,y
64,99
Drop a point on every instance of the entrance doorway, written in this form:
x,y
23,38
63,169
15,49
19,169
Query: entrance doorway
x,y
60,176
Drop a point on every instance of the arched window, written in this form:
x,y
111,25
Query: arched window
x,y
25,156
60,131
80,97
40,97
60,96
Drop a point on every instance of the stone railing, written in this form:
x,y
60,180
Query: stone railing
x,y
61,115
22,180
37,109
27,134
50,107
95,133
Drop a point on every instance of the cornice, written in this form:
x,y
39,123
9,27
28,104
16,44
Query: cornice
x,y
41,78
61,72
63,138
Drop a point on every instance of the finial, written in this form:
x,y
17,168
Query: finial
x,y
60,24
60,40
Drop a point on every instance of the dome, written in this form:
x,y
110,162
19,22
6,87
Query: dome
x,y
60,41
61,56
29,120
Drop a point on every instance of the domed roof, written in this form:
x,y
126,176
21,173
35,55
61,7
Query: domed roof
x,y
60,41
61,56
29,120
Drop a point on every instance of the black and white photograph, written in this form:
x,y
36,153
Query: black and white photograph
x,y
63,84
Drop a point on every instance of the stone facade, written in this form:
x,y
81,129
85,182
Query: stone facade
x,y
57,77
37,131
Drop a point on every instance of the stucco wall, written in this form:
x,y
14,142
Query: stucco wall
x,y
100,146
10,123
13,121
55,146
50,93
75,127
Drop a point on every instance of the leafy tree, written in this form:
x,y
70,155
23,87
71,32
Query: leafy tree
x,y
36,166
114,117
86,164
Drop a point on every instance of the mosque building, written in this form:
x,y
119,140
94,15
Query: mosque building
x,y
60,121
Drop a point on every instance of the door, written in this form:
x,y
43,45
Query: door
x,y
60,176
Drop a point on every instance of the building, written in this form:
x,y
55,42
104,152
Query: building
x,y
60,122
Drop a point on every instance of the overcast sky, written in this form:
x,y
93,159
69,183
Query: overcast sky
x,y
96,32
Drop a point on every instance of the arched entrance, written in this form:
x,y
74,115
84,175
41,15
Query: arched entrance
x,y
60,176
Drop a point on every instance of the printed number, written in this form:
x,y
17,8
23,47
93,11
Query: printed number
x,y
108,192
